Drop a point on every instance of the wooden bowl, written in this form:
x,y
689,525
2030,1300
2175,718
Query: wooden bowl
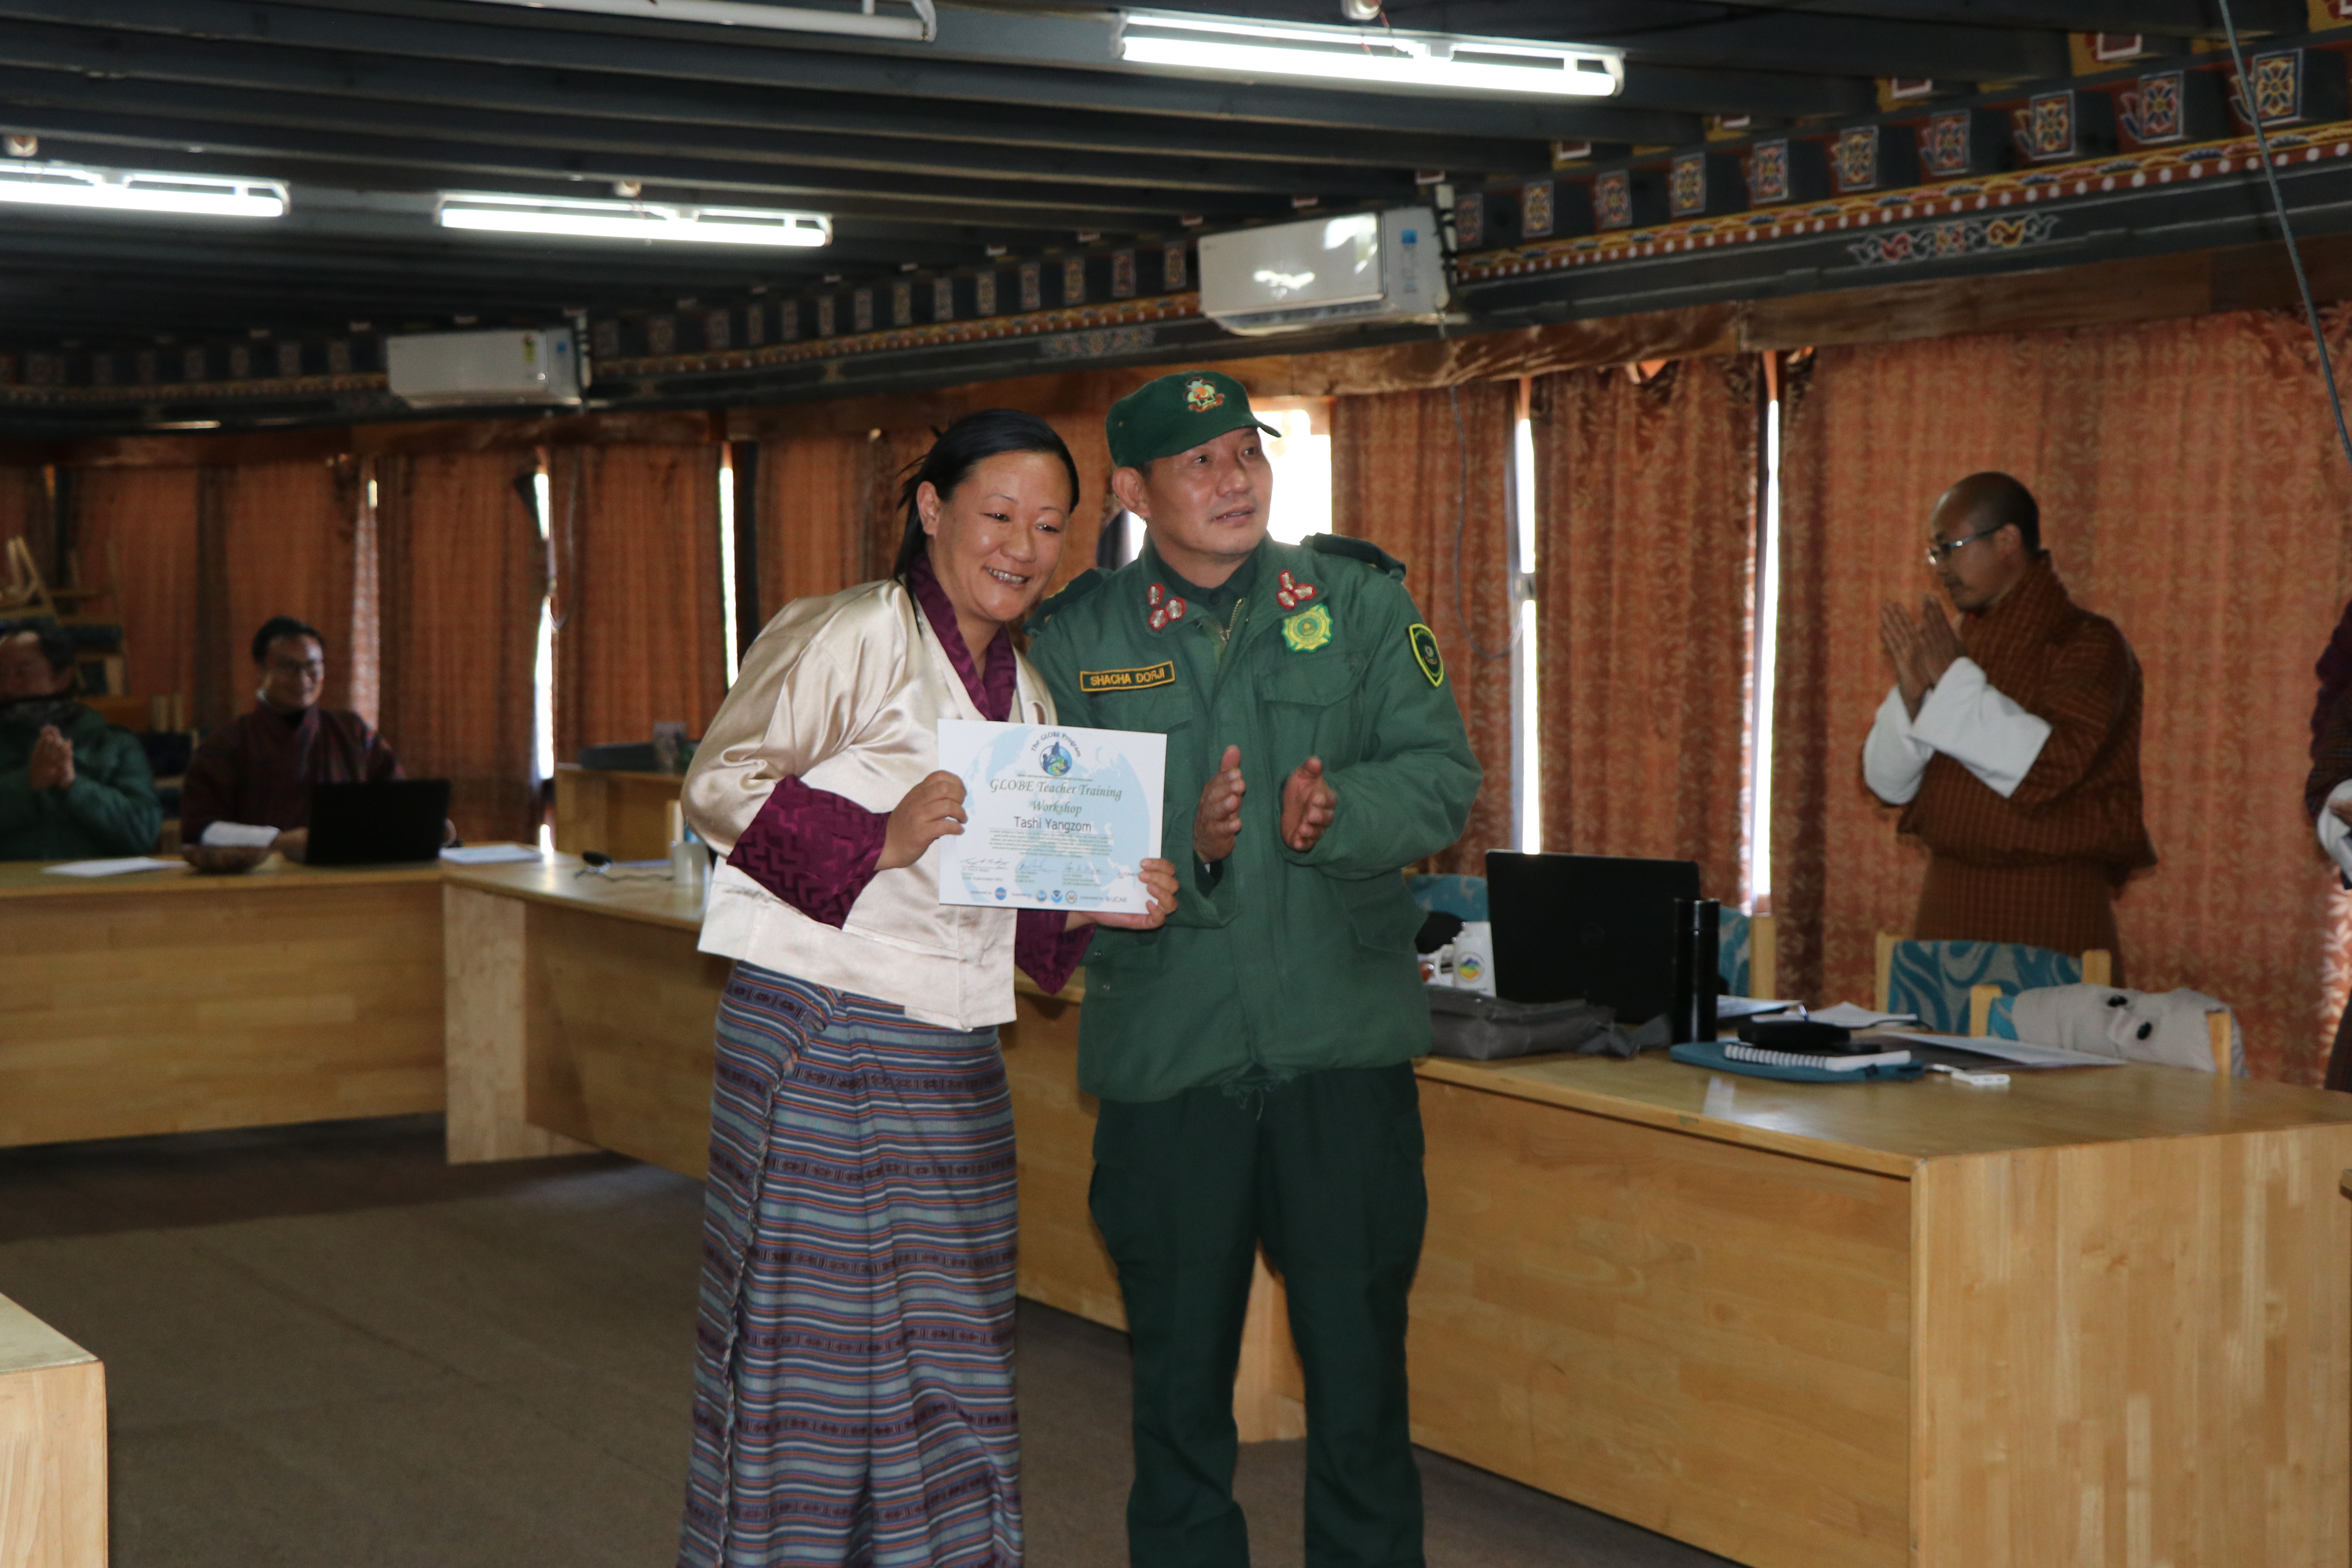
x,y
225,858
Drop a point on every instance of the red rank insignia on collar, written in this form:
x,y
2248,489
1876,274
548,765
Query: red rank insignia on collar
x,y
1290,593
1165,607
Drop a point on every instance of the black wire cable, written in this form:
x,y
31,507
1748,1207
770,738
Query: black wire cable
x,y
2286,229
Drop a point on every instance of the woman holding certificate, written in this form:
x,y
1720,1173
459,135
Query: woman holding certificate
x,y
853,1366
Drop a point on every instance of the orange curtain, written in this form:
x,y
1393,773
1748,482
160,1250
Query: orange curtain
x,y
286,534
1405,476
142,523
460,579
640,634
25,513
1090,446
816,498
1647,493
2191,490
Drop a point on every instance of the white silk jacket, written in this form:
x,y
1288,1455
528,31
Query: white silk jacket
x,y
845,693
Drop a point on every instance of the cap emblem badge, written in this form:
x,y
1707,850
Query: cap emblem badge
x,y
1202,394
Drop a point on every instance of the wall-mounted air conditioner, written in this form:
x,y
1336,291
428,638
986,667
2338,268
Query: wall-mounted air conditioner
x,y
437,369
1325,271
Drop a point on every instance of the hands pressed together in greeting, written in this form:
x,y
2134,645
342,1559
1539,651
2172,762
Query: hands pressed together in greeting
x,y
52,764
934,810
1308,803
1920,650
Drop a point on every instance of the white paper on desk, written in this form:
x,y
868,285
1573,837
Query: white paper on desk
x,y
110,867
2015,1052
1054,816
488,854
238,835
1847,1016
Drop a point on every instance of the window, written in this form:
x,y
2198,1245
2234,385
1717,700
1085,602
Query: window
x,y
1527,707
542,668
727,561
1758,847
1301,457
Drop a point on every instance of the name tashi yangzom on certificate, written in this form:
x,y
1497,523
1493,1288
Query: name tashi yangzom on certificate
x,y
1056,817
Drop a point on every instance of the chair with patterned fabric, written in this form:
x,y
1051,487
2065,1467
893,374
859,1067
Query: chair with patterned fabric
x,y
1936,980
1748,954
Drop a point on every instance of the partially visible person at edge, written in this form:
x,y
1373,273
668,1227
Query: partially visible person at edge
x,y
72,786
2012,743
1253,1059
854,1364
2327,794
258,769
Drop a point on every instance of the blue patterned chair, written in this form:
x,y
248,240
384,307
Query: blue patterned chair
x,y
1746,953
1938,980
1989,1012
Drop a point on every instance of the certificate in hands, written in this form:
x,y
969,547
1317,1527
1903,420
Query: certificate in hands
x,y
1055,817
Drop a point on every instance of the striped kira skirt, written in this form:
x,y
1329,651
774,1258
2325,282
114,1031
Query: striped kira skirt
x,y
854,1359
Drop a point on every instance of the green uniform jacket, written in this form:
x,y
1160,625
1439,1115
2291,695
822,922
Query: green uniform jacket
x,y
110,809
1288,962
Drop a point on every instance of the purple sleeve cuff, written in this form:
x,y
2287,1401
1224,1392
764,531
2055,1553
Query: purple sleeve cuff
x,y
813,849
1044,951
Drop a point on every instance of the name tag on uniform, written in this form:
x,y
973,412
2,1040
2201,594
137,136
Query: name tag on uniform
x,y
1092,680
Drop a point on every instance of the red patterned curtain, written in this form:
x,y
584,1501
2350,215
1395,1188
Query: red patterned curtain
x,y
461,575
1406,477
1647,493
817,498
143,521
286,541
2191,490
640,632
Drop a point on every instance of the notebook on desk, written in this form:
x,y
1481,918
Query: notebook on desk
x,y
395,822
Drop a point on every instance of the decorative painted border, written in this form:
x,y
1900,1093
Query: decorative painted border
x,y
197,391
2154,165
1953,236
1083,318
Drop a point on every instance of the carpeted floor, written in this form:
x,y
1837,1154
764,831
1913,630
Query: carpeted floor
x,y
324,1346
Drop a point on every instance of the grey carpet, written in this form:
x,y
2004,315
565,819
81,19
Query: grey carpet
x,y
324,1346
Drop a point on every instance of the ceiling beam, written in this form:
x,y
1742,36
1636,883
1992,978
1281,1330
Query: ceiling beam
x,y
271,68
1177,181
2159,18
1604,21
418,162
550,40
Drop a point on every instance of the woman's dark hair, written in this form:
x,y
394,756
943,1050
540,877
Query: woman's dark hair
x,y
964,447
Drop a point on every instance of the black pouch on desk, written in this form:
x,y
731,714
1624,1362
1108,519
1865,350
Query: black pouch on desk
x,y
1800,1036
1486,1028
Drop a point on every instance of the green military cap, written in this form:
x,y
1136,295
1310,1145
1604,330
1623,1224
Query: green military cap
x,y
1176,414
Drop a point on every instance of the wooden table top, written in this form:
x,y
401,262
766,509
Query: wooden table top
x,y
26,879
630,895
1892,1127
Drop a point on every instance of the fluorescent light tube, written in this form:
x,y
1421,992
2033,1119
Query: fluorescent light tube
x,y
918,28
129,191
651,222
1370,56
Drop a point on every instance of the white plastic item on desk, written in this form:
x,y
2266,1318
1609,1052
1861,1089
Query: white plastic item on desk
x,y
1473,958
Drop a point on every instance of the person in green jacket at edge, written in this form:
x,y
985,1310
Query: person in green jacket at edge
x,y
72,786
1253,1058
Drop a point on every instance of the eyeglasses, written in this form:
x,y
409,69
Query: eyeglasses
x,y
312,666
1941,551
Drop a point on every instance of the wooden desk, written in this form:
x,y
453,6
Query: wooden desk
x,y
2100,1317
169,1002
624,815
52,1446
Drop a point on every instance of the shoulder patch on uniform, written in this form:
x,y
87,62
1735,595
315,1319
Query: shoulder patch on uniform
x,y
1424,652
1077,588
1161,673
1363,549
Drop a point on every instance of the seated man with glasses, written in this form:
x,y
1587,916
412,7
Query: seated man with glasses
x,y
2011,743
257,770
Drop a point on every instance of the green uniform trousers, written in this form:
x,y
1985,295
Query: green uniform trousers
x,y
1326,1171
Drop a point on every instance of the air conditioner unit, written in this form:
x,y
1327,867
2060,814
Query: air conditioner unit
x,y
1361,268
433,370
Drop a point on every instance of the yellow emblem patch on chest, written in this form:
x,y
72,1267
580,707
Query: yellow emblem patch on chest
x,y
1093,680
1308,629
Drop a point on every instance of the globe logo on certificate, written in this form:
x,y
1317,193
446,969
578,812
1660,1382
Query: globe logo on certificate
x,y
1055,817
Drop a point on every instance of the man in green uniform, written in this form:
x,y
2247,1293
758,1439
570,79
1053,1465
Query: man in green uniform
x,y
72,786
1253,1057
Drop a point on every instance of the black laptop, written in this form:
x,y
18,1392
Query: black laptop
x,y
386,824
1598,927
